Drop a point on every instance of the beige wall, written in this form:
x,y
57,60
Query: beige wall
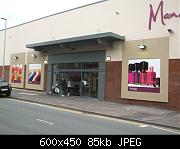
x,y
20,60
115,51
132,22
38,60
156,48
174,24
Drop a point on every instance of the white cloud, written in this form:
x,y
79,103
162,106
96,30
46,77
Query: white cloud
x,y
20,11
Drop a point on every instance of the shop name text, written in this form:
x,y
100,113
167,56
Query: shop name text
x,y
163,16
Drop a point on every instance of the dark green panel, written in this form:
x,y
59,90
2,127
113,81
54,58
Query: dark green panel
x,y
97,56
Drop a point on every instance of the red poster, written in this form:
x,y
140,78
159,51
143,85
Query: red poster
x,y
16,73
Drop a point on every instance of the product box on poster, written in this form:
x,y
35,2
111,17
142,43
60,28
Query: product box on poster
x,y
144,75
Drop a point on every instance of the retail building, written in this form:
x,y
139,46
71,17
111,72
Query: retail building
x,y
114,50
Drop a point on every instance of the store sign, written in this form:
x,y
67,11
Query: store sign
x,y
17,70
34,76
159,12
144,75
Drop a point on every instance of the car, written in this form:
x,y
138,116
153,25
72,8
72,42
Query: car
x,y
5,88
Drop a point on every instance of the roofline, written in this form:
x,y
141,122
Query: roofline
x,y
79,38
57,14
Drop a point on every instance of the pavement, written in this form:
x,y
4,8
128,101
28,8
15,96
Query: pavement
x,y
149,115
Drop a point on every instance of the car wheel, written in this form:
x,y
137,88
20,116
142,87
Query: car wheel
x,y
8,93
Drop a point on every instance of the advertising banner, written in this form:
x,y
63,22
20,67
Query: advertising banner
x,y
16,75
34,75
144,75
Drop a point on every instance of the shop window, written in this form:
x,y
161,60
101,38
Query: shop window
x,y
73,66
59,66
93,65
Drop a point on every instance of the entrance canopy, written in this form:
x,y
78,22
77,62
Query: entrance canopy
x,y
100,38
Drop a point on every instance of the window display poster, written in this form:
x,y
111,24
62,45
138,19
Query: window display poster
x,y
34,75
144,75
16,73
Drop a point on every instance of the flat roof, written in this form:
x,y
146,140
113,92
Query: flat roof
x,y
107,35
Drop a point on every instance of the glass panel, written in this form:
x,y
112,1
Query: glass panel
x,y
73,66
58,66
85,84
94,84
55,79
60,81
74,79
76,82
92,65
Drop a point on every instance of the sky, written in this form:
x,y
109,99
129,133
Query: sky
x,y
21,11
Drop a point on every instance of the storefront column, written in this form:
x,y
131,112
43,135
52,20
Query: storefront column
x,y
49,77
101,81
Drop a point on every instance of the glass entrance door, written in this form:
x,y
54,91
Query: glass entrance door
x,y
62,83
93,84
81,77
75,78
85,84
89,84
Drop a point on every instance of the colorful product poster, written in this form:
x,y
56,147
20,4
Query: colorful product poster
x,y
34,75
144,75
16,75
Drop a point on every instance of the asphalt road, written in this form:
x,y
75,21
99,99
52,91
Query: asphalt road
x,y
17,117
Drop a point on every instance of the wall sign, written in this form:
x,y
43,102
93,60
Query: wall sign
x,y
144,75
34,75
16,75
159,12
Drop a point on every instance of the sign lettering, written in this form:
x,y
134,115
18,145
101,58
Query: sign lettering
x,y
160,12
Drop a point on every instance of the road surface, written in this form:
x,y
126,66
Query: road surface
x,y
19,117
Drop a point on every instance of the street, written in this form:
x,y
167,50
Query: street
x,y
19,117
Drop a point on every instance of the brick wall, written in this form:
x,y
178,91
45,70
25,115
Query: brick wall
x,y
6,72
174,83
113,81
113,86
